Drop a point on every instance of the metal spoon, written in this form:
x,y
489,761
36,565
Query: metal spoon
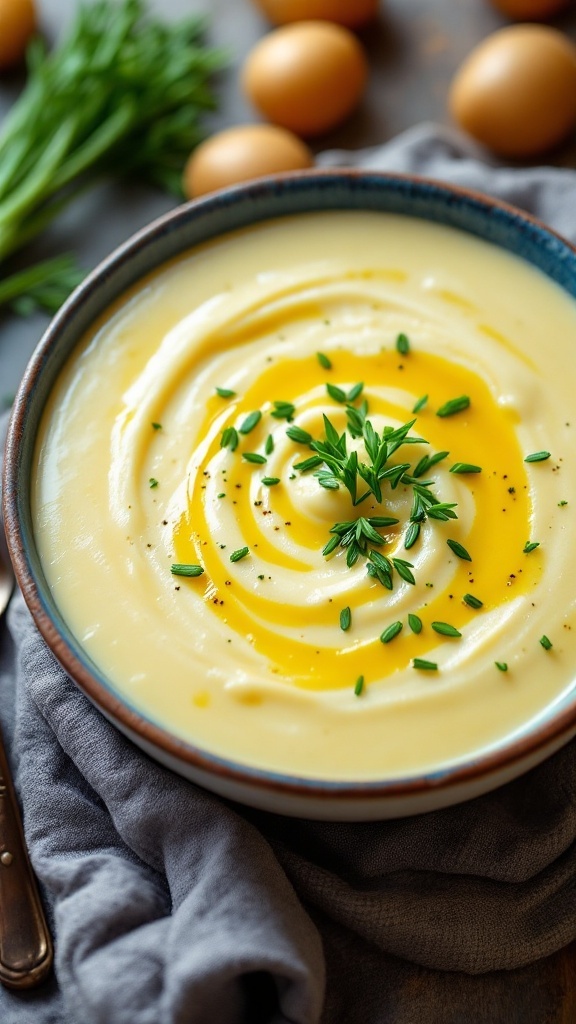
x,y
25,944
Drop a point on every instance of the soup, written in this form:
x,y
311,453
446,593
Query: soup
x,y
305,495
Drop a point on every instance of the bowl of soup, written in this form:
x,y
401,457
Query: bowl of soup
x,y
289,490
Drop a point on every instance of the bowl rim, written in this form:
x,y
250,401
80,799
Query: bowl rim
x,y
556,725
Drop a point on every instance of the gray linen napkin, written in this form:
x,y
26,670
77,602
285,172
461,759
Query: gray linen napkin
x,y
171,906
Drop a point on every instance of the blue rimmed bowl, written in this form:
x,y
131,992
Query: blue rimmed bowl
x,y
166,238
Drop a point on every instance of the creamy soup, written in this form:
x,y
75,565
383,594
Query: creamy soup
x,y
306,495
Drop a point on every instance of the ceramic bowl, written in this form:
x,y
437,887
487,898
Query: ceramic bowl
x,y
167,237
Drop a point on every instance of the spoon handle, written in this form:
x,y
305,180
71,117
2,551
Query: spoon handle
x,y
25,943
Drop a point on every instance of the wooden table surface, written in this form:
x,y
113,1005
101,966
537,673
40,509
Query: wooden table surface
x,y
414,49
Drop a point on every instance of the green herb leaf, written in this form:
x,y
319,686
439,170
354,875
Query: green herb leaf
x,y
331,545
327,480
415,623
345,619
359,685
153,482
403,569
419,405
445,629
380,568
356,417
283,411
427,461
156,426
465,467
443,510
299,435
336,393
453,406
229,438
546,643
426,666
472,602
251,421
270,481
180,569
403,344
225,392
269,445
529,546
254,457
324,361
537,457
354,392
459,550
412,534
501,665
392,631
312,463
240,553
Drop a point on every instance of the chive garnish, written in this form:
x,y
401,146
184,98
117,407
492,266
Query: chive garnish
x,y
537,457
472,602
419,405
412,534
153,482
355,391
546,643
415,623
324,361
530,545
359,685
283,411
562,503
299,435
312,463
254,457
403,569
427,461
459,550
269,481
403,344
252,419
156,426
443,510
240,553
392,631
229,438
225,392
269,445
345,619
502,665
453,406
445,629
180,569
465,467
336,393
426,666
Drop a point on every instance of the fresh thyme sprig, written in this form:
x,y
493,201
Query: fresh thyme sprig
x,y
356,535
335,466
